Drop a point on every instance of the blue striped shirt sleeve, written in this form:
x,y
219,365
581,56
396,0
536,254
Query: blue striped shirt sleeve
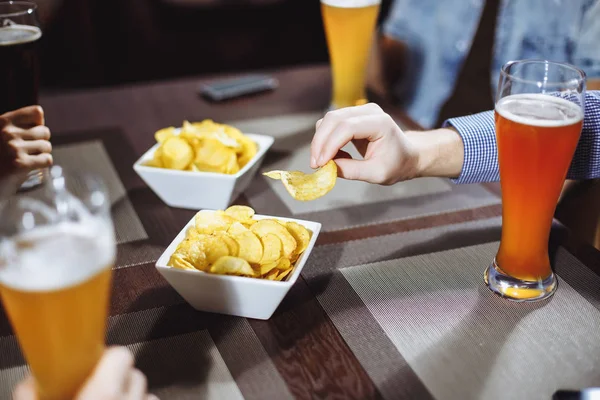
x,y
481,157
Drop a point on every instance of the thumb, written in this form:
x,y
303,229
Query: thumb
x,y
358,170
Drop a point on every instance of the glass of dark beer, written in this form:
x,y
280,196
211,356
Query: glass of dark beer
x,y
19,69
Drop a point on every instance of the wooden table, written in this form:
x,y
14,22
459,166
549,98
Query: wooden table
x,y
303,343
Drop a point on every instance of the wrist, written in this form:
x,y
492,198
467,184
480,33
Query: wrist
x,y
439,153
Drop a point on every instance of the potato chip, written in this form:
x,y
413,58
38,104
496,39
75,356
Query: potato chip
x,y
300,233
207,129
249,222
249,150
207,125
213,156
272,275
306,187
232,266
237,228
193,251
271,248
232,167
162,135
192,233
156,160
250,247
283,264
209,222
215,248
232,245
189,133
266,226
178,260
176,153
283,274
264,269
275,174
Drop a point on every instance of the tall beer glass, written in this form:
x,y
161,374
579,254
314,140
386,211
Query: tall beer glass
x,y
57,247
19,68
539,116
349,26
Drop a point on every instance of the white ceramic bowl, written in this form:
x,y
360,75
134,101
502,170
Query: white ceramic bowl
x,y
233,295
198,190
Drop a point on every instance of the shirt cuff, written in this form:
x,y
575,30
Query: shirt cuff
x,y
479,140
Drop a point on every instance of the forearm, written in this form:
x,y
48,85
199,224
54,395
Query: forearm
x,y
479,155
440,152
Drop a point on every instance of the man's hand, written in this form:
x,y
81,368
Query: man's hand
x,y
390,155
24,141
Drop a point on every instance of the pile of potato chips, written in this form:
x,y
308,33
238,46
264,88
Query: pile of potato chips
x,y
203,146
306,187
232,242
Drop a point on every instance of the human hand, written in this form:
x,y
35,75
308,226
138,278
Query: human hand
x,y
24,141
389,155
114,378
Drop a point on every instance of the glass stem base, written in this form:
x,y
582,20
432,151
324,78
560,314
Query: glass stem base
x,y
518,290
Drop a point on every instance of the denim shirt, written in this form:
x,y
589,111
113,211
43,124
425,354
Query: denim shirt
x,y
439,33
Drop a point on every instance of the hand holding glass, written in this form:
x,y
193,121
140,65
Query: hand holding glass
x,y
57,248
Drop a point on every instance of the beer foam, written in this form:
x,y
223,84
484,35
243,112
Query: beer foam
x,y
58,256
539,110
351,3
18,34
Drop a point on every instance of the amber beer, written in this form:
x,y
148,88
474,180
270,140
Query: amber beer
x,y
537,135
349,27
19,70
55,289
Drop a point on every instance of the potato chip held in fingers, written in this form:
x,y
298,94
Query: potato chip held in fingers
x,y
306,187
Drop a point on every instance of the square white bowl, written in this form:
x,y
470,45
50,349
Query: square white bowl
x,y
234,295
196,190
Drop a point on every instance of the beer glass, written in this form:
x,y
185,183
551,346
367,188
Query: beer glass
x,y
349,27
57,247
19,69
539,116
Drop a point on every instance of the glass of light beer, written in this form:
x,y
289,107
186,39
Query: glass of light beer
x,y
57,248
349,27
20,34
539,115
